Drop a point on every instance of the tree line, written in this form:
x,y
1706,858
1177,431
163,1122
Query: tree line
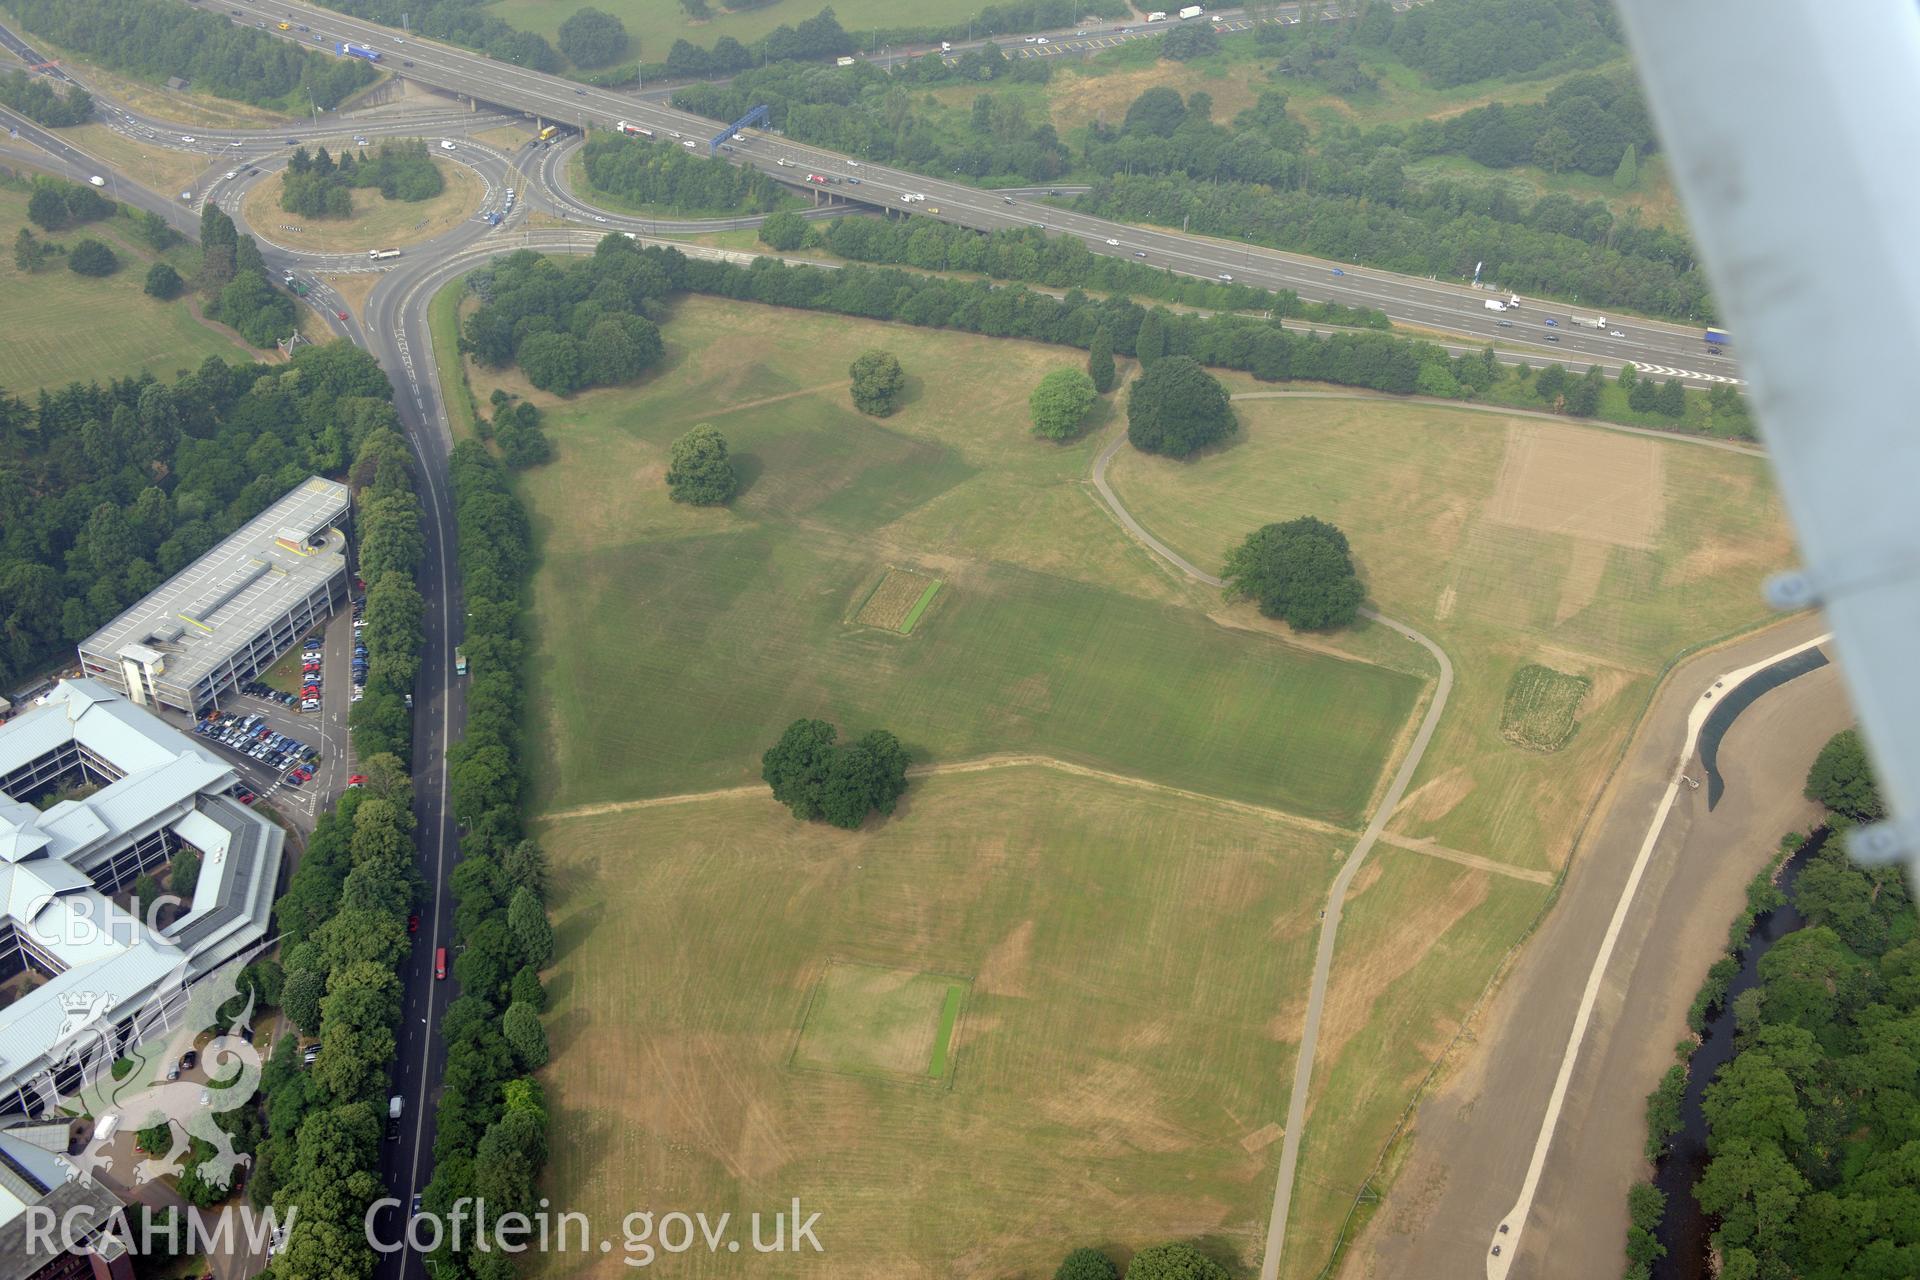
x,y
344,923
36,98
1059,262
668,174
864,112
490,1136
318,186
1453,42
1813,1142
233,280
623,278
220,57
107,491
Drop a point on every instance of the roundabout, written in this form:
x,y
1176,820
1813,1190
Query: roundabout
x,y
376,222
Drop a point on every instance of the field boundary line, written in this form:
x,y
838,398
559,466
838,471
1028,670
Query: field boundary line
x,y
763,402
987,764
1415,844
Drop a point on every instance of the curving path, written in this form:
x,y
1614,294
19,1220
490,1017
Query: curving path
x,y
1336,897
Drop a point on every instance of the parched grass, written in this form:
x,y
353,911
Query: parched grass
x,y
1132,958
377,222
1419,939
151,165
1412,487
67,328
1540,707
898,601
1060,636
872,1020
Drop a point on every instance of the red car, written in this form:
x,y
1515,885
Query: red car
x,y
360,780
341,314
413,922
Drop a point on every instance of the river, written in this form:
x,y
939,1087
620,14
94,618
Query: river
x,y
1685,1230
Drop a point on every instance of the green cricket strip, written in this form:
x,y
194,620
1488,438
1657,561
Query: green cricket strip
x,y
950,1010
919,607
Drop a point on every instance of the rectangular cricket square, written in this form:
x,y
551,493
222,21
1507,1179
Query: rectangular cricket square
x,y
897,603
870,1020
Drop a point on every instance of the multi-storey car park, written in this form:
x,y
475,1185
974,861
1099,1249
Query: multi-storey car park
x,y
232,612
104,976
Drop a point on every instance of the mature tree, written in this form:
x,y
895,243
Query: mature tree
x,y
1842,779
698,469
1086,1264
300,997
1100,361
785,231
1551,382
92,258
1672,400
29,251
863,776
591,38
1176,407
1196,40
1150,343
184,874
877,383
528,920
1060,402
47,207
1299,571
551,362
1628,172
163,282
816,779
698,10
526,1036
796,766
1643,396
1174,1262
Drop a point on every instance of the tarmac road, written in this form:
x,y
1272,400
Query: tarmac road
x,y
1477,1128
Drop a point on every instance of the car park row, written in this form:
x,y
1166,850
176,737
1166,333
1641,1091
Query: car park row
x,y
252,736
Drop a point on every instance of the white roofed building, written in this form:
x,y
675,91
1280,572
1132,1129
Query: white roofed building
x,y
76,957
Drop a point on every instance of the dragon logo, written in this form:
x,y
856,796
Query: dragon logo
x,y
86,1050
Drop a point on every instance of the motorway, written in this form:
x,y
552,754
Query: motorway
x,y
1445,307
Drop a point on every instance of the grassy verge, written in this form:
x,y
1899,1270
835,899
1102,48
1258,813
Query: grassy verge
x,y
377,222
71,328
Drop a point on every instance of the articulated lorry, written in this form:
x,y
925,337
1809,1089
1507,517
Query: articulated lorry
x,y
1191,11
1717,338
1589,322
348,49
633,130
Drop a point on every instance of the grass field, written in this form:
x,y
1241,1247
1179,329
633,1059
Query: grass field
x,y
376,221
653,25
1116,1075
151,165
1419,939
1595,553
89,330
749,1008
742,612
